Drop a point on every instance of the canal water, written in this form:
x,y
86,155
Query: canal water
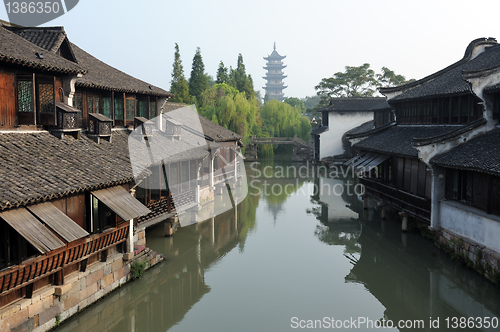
x,y
298,252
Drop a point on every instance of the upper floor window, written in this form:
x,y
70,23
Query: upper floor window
x,y
130,109
143,108
152,109
119,109
107,107
447,110
25,93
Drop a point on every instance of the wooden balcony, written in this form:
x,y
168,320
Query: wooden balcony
x,y
416,206
37,268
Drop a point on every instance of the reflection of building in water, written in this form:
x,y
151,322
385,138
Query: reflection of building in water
x,y
339,223
165,294
394,267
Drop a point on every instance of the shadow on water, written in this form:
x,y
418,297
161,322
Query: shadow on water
x,y
405,273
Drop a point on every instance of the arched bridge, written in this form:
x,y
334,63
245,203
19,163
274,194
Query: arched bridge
x,y
302,149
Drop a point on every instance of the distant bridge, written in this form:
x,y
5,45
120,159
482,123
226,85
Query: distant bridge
x,y
302,149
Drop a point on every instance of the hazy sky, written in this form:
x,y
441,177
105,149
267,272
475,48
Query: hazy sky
x,y
319,37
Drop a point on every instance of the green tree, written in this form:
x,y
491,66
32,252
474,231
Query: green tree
x,y
297,103
198,80
210,81
222,75
312,104
389,78
178,84
283,120
244,82
353,82
231,109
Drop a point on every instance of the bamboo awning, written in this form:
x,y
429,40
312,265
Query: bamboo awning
x,y
58,221
121,202
32,230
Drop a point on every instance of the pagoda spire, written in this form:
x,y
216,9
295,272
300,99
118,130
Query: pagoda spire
x,y
274,77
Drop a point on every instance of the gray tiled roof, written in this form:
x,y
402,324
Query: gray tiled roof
x,y
353,104
319,130
398,140
481,153
450,81
19,51
102,76
49,38
39,166
382,105
211,130
362,128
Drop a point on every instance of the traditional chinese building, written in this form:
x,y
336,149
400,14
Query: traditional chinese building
x,y
71,212
274,77
437,163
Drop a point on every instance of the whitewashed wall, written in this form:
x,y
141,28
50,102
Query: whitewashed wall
x,y
330,143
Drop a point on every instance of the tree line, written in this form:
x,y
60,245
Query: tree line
x,y
231,101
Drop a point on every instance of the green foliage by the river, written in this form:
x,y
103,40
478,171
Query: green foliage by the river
x,y
230,101
283,120
230,108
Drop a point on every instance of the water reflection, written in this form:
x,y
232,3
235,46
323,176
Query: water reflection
x,y
253,268
410,277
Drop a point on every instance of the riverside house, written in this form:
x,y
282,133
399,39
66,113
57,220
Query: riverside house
x,y
438,162
340,114
73,212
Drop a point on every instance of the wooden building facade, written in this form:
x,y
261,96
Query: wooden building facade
x,y
65,200
438,163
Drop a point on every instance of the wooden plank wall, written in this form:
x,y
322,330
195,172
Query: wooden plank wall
x,y
7,98
74,207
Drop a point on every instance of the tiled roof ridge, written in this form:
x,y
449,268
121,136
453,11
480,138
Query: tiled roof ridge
x,y
21,188
466,58
24,61
373,131
442,137
344,102
58,29
479,154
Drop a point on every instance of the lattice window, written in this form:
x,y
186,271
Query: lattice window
x,y
78,102
107,109
25,96
152,109
143,108
90,104
96,104
46,96
130,109
469,185
118,109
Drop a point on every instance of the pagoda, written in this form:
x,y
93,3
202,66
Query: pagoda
x,y
274,86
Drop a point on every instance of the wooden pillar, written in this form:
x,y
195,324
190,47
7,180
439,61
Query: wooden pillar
x,y
211,170
130,239
168,229
212,230
365,202
404,221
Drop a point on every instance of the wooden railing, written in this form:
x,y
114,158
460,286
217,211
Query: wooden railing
x,y
416,206
30,271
